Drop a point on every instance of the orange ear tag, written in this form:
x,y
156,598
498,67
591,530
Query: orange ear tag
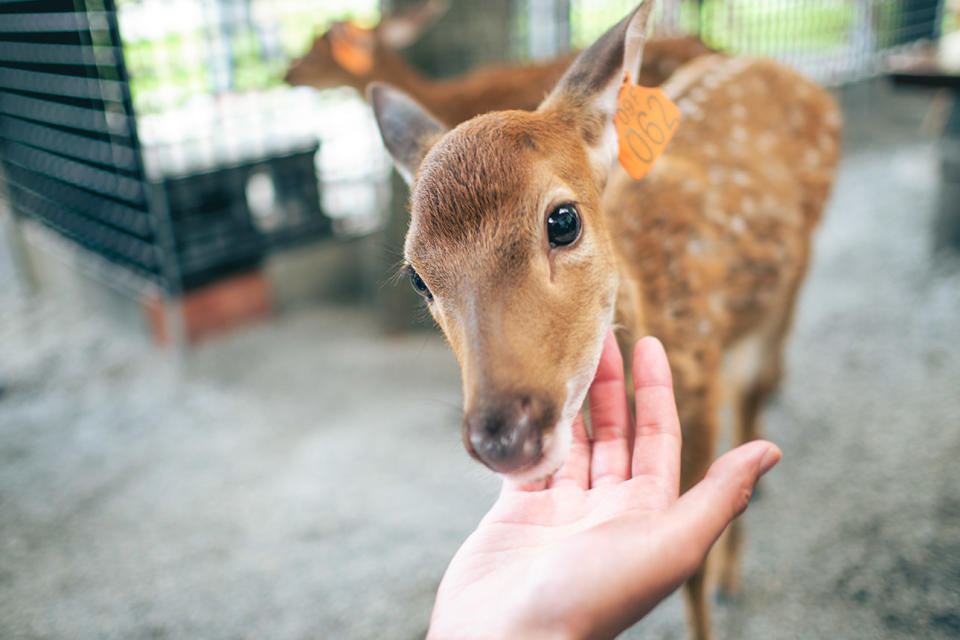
x,y
646,120
353,50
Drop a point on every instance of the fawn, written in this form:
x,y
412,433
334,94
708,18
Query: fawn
x,y
528,245
347,55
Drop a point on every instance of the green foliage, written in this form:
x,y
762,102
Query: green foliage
x,y
166,71
765,28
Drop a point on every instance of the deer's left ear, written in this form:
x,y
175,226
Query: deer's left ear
x,y
408,130
591,84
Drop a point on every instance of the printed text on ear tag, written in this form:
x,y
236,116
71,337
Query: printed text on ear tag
x,y
646,119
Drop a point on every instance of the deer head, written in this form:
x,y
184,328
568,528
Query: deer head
x,y
509,247
349,55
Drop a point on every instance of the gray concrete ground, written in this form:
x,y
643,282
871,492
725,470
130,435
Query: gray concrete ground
x,y
305,479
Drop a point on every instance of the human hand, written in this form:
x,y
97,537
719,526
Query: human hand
x,y
591,550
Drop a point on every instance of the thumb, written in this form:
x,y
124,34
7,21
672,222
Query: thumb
x,y
703,512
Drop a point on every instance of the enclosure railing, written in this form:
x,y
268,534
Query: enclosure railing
x,y
158,135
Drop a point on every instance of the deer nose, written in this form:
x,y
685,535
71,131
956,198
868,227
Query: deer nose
x,y
507,434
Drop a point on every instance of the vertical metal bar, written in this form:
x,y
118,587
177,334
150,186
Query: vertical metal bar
x,y
173,311
157,206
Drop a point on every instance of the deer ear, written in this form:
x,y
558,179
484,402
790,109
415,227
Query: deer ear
x,y
397,32
591,84
408,130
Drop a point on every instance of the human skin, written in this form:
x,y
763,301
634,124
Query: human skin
x,y
589,551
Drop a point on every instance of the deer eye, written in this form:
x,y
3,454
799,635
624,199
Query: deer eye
x,y
563,225
418,284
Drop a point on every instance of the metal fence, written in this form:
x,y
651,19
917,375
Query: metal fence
x,y
833,41
158,134
68,138
109,136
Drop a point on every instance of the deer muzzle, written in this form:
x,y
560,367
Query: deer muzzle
x,y
506,432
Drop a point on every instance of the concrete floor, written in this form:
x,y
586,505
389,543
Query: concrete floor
x,y
305,478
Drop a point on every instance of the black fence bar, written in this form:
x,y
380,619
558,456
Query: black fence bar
x,y
95,234
111,154
70,21
57,84
80,174
121,216
67,140
37,53
116,124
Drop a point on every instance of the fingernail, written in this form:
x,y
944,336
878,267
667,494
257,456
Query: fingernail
x,y
770,458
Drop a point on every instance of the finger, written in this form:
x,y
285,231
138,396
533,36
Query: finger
x,y
701,514
681,536
610,417
656,444
575,472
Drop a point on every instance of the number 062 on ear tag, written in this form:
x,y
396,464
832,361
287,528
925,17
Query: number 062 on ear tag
x,y
646,120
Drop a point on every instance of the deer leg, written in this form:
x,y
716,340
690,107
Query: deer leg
x,y
748,407
700,422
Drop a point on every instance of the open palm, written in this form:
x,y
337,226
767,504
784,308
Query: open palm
x,y
589,551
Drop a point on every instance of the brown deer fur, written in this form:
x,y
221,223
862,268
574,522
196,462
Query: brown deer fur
x,y
489,88
706,252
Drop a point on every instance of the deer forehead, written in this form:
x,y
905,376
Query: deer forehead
x,y
478,188
485,184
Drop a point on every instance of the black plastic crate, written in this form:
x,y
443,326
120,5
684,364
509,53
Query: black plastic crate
x,y
225,221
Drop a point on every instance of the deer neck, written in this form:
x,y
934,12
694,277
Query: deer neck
x,y
628,314
392,69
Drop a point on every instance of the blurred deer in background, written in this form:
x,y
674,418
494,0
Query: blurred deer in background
x,y
529,245
348,55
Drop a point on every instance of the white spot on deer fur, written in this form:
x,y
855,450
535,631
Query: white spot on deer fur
x,y
737,225
703,327
694,247
766,140
709,149
697,94
711,81
741,178
714,214
715,175
689,109
715,302
811,157
690,186
796,118
832,118
738,64
739,133
738,111
690,74
826,143
734,91
748,205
